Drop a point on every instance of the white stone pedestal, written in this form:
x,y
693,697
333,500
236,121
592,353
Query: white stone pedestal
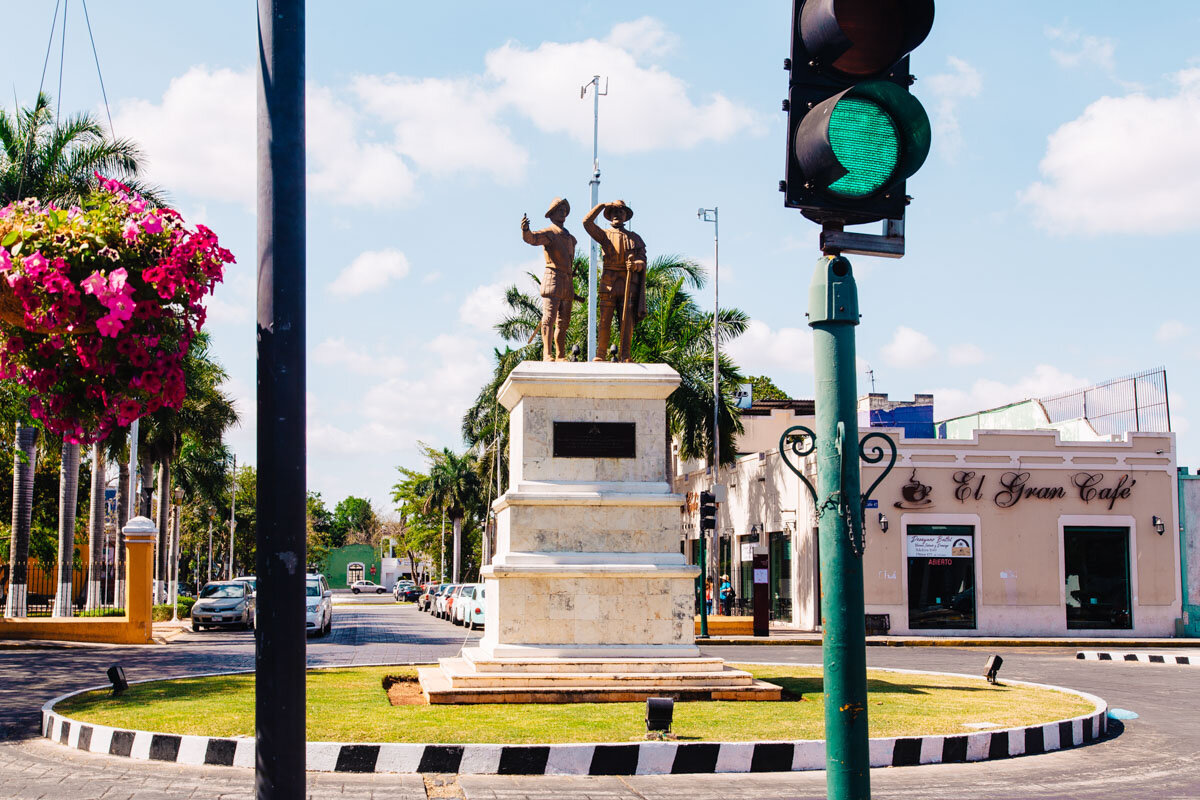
x,y
589,597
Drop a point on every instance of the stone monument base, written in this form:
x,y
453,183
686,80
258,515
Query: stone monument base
x,y
475,678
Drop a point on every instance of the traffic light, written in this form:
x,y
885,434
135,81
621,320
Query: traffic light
x,y
855,134
708,512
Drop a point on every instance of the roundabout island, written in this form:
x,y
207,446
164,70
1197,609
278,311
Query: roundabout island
x,y
915,718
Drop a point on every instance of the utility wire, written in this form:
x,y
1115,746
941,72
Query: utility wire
x,y
41,83
62,57
99,74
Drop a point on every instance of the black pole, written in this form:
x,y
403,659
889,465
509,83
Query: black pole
x,y
281,560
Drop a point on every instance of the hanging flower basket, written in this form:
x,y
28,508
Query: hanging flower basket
x,y
99,305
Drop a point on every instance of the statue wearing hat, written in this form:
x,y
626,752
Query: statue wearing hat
x,y
621,286
558,287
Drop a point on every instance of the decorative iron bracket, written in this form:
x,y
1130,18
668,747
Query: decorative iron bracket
x,y
799,441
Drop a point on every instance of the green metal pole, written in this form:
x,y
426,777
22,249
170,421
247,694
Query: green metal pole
x,y
833,313
703,586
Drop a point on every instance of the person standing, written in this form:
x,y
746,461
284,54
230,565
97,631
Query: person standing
x,y
558,285
725,592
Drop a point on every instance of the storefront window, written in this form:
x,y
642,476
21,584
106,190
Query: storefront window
x,y
780,575
941,576
1097,567
746,573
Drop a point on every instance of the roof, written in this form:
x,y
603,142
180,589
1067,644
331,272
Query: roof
x,y
763,408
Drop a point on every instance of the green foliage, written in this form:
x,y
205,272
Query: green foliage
x,y
161,612
353,522
765,389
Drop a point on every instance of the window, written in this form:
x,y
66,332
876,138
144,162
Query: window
x,y
941,576
354,572
1097,578
780,575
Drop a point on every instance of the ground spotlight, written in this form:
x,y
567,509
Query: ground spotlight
x,y
992,667
659,711
116,674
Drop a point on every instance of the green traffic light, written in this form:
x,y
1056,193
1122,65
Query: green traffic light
x,y
865,140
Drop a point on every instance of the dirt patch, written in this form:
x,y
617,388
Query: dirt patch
x,y
403,690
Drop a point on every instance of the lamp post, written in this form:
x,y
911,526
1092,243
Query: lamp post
x,y
711,215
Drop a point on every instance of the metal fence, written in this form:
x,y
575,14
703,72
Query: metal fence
x,y
1133,403
97,589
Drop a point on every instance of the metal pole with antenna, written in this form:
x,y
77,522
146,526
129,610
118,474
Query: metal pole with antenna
x,y
594,259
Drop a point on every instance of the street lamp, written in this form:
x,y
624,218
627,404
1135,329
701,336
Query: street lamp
x,y
710,215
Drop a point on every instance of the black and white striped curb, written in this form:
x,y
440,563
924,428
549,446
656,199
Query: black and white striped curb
x,y
1191,660
640,758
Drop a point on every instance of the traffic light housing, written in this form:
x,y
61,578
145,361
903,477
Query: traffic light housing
x,y
855,134
708,511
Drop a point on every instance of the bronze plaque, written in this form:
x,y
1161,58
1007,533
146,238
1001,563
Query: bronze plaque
x,y
594,440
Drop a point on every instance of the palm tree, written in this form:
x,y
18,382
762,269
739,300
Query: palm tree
x,y
95,529
55,160
68,495
22,519
206,414
452,484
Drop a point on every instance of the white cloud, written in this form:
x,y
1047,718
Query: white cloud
x,y
965,355
444,126
1171,330
484,305
762,351
949,89
199,138
646,109
908,348
340,353
1084,50
1129,165
371,270
986,393
220,310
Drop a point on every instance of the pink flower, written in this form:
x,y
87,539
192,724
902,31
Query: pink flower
x,y
119,306
116,280
74,212
94,283
152,224
36,262
109,325
130,231
127,412
137,205
5,260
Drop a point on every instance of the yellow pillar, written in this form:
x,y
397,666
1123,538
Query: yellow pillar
x,y
140,536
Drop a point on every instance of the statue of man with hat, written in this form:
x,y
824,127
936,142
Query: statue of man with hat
x,y
621,286
558,287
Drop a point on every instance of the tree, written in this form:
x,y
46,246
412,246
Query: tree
x,y
56,160
451,484
317,523
420,534
68,496
353,522
765,389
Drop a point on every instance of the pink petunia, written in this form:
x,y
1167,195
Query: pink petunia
x,y
137,205
152,224
35,262
119,306
5,260
117,279
94,283
109,325
130,231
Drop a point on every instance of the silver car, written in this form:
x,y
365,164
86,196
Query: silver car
x,y
224,604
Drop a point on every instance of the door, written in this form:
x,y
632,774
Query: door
x,y
354,573
941,577
780,575
1097,578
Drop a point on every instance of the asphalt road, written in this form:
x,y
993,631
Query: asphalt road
x,y
1156,755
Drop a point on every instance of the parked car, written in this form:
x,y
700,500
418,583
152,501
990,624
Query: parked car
x,y
224,604
249,579
426,596
318,604
463,602
437,602
366,586
406,590
445,601
476,610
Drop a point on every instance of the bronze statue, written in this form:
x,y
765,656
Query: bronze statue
x,y
558,287
621,286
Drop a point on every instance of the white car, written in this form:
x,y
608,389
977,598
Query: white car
x,y
439,604
318,604
460,612
366,586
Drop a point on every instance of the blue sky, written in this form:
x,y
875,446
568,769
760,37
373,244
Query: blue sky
x,y
1050,244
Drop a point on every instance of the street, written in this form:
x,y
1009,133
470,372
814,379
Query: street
x,y
1156,755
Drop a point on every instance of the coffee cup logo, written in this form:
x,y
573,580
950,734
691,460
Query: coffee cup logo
x,y
915,493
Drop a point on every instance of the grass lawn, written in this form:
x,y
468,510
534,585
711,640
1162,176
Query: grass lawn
x,y
349,705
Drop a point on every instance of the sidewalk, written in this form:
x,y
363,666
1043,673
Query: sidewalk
x,y
785,637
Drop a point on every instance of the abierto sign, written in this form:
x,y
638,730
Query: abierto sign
x,y
921,546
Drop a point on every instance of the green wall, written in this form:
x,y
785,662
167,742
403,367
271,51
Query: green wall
x,y
340,558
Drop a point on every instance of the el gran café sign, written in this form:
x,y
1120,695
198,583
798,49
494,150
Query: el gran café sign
x,y
1012,487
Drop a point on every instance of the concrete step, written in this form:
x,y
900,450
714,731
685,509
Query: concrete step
x,y
476,662
438,690
553,679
